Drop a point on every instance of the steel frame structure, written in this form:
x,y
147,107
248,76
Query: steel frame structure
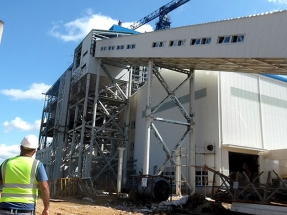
x,y
96,121
87,119
97,114
189,124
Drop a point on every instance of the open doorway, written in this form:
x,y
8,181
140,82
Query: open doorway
x,y
238,162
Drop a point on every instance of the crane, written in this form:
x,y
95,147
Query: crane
x,y
164,21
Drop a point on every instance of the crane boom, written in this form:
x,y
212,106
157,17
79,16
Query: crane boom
x,y
161,13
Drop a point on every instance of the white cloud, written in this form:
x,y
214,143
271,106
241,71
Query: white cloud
x,y
35,92
79,28
279,1
8,151
20,124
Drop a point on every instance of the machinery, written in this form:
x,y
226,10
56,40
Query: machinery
x,y
164,21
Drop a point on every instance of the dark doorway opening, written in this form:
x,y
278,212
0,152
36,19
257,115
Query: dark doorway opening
x,y
238,160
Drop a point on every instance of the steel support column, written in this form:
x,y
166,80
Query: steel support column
x,y
191,166
80,158
59,137
92,141
127,124
148,119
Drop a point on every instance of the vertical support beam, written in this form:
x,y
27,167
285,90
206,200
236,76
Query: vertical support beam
x,y
80,158
120,169
127,123
178,173
148,120
191,169
260,112
48,122
73,143
96,97
61,116
42,141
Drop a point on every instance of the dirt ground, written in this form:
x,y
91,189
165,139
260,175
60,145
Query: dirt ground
x,y
76,206
113,205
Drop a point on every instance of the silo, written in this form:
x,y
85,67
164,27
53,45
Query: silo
x,y
1,29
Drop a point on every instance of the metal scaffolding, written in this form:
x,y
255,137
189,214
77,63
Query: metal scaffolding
x,y
87,122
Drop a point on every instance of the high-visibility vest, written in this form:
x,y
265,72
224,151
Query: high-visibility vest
x,y
19,180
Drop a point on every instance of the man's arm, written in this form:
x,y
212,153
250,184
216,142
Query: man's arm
x,y
42,179
45,195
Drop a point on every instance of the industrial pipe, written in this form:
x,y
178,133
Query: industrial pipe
x,y
156,188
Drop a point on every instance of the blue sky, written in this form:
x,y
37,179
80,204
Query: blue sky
x,y
39,39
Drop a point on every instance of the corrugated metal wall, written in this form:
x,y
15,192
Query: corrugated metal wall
x,y
241,124
274,113
259,41
254,111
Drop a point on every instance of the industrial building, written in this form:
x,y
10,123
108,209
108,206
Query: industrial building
x,y
170,102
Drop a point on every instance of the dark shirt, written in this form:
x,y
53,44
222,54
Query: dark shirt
x,y
41,176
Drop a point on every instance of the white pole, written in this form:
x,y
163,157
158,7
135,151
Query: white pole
x,y
148,121
178,173
191,168
120,168
1,29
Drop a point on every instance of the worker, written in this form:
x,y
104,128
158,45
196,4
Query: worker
x,y
20,177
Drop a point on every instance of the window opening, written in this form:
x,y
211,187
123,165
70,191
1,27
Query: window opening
x,y
158,44
161,44
220,39
201,177
226,40
177,43
240,38
234,39
200,41
111,47
83,66
231,39
85,53
131,46
197,42
208,40
120,47
78,56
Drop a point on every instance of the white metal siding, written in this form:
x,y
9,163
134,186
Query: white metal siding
x,y
259,40
206,118
250,109
274,111
240,110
